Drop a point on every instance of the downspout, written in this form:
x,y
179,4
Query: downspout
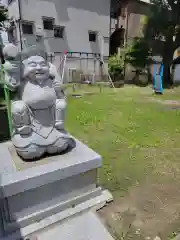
x,y
20,35
127,26
19,24
110,23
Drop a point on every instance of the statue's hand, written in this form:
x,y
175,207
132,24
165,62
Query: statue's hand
x,y
58,88
12,75
54,73
8,66
59,125
11,83
25,130
57,85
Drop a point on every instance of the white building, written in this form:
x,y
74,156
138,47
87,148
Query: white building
x,y
63,25
3,33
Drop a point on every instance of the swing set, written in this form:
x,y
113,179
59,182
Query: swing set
x,y
158,79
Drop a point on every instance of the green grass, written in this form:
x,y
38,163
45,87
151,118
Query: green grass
x,y
135,137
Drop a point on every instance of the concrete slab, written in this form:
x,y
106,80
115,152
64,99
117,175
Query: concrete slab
x,y
93,204
36,195
84,227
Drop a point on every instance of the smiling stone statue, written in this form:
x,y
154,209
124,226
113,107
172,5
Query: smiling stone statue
x,y
38,117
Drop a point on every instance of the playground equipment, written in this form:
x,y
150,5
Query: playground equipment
x,y
62,65
82,64
87,78
102,64
158,79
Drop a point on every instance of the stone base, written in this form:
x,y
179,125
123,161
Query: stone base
x,y
83,227
48,224
38,194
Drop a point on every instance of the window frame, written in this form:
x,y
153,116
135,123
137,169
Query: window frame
x,y
58,27
48,19
94,33
30,24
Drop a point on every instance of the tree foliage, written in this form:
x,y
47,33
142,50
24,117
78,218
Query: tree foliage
x,y
3,16
163,26
138,54
116,65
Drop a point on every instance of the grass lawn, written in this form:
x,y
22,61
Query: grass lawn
x,y
138,136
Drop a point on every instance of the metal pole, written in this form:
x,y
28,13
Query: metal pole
x,y
64,65
7,99
102,48
154,76
127,26
110,25
19,24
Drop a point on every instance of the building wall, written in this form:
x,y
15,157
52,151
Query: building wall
x,y
137,13
133,22
77,16
13,10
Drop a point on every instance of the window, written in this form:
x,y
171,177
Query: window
x,y
48,23
11,36
58,32
92,36
27,28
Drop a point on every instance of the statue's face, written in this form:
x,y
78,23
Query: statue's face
x,y
36,68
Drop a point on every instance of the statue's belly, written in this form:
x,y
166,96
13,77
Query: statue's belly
x,y
37,97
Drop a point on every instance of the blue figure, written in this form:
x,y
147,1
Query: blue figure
x,y
158,79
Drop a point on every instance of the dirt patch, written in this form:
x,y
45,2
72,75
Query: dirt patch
x,y
150,210
165,102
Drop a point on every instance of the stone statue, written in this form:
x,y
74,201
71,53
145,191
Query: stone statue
x,y
38,117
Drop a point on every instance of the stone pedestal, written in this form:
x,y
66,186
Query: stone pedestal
x,y
37,194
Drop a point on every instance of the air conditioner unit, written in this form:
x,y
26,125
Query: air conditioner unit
x,y
39,31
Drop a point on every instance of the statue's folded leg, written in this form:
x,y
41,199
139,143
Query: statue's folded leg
x,y
31,152
59,146
60,113
23,131
21,118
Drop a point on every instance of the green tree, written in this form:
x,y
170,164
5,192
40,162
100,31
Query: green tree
x,y
163,26
3,16
3,19
116,66
138,56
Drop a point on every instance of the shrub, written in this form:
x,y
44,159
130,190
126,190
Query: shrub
x,y
138,54
116,67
